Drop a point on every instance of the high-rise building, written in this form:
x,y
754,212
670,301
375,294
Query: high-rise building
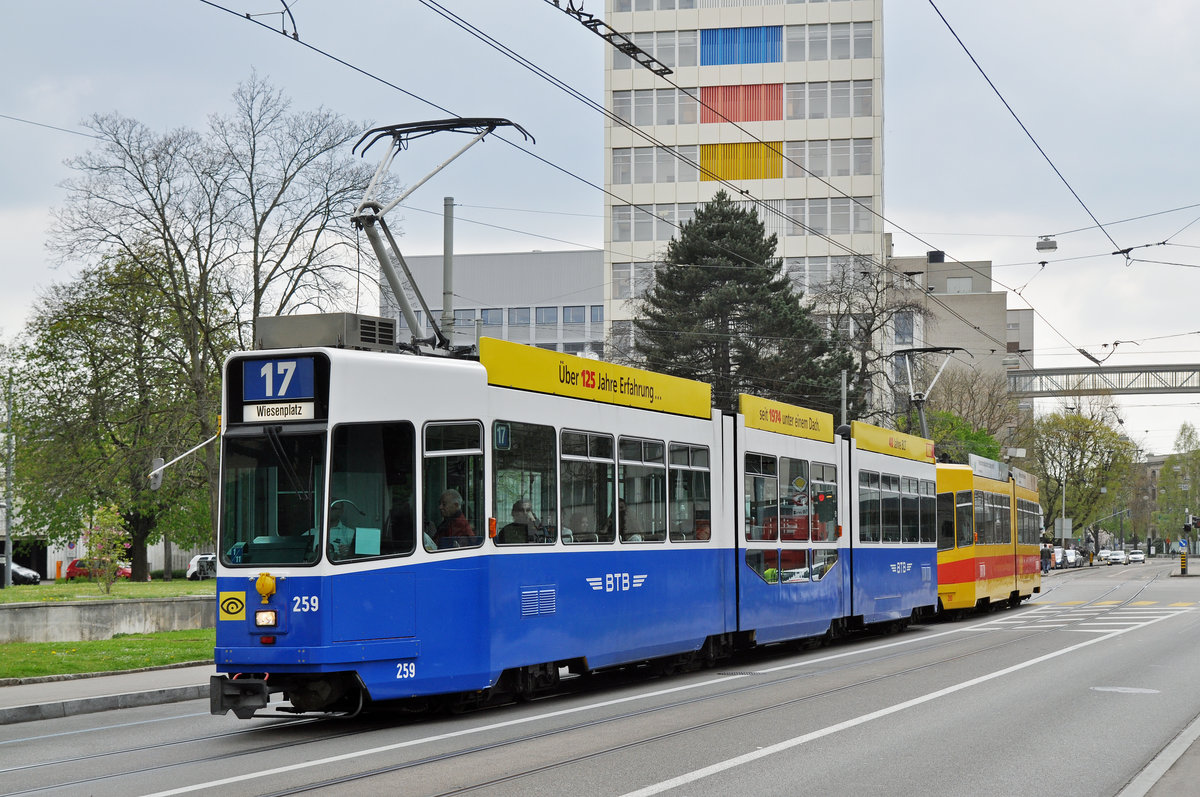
x,y
780,102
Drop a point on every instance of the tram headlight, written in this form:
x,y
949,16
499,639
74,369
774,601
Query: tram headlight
x,y
266,618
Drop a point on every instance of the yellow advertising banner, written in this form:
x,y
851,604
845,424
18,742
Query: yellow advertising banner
x,y
889,441
775,416
543,371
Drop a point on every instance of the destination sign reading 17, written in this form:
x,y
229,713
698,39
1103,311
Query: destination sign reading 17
x,y
278,390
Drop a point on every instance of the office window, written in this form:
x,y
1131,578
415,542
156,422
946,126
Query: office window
x,y
684,212
818,271
643,224
643,164
685,46
573,314
818,100
794,37
464,319
664,47
862,40
643,278
904,328
597,313
818,215
664,165
793,152
643,107
622,275
839,41
622,165
839,99
518,316
863,98
864,216
839,157
795,212
839,216
818,158
687,165
547,316
863,155
664,106
793,100
623,105
492,317
666,222
818,42
622,223
689,106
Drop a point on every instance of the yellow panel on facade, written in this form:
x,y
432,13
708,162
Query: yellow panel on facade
x,y
530,368
750,161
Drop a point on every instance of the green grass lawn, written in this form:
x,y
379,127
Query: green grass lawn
x,y
80,590
122,652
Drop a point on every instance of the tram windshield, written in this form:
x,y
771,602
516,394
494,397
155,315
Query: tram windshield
x,y
273,494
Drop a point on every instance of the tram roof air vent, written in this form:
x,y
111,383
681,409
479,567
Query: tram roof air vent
x,y
337,330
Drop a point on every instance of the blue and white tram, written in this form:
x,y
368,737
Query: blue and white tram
x,y
397,527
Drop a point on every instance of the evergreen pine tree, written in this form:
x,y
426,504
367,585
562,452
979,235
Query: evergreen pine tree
x,y
721,312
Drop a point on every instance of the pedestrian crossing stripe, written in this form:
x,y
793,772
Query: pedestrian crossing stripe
x,y
1181,604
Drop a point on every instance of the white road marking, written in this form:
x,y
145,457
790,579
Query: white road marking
x,y
788,744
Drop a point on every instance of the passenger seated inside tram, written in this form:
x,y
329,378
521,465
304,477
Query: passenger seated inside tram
x,y
631,529
525,526
454,531
581,529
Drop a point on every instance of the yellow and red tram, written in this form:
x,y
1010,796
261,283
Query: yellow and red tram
x,y
989,524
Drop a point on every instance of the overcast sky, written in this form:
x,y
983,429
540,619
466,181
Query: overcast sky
x,y
1106,87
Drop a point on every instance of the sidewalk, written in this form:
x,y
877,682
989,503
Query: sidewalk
x,y
48,698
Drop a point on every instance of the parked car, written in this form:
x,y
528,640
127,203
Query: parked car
x,y
82,568
1118,558
1058,557
1137,556
1103,555
21,574
202,566
1072,558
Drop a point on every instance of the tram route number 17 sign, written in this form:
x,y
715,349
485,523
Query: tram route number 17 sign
x,y
278,390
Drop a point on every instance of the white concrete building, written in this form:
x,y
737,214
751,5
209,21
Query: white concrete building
x,y
783,100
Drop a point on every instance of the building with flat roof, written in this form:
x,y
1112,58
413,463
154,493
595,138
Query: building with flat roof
x,y
554,300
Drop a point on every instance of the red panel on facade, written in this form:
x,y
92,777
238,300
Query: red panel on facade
x,y
758,103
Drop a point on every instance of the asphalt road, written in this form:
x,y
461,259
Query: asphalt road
x,y
1088,690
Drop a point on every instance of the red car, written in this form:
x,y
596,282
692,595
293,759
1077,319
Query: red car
x,y
81,568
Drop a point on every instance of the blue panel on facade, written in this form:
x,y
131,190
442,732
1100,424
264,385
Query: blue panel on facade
x,y
722,46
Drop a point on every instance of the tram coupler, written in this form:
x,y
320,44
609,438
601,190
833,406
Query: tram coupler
x,y
242,696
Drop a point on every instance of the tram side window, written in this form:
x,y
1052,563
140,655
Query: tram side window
x,y
823,559
690,482
588,473
928,512
910,510
964,519
762,498
794,504
1004,519
823,496
453,485
371,491
525,483
793,566
889,489
945,521
642,485
983,519
870,520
